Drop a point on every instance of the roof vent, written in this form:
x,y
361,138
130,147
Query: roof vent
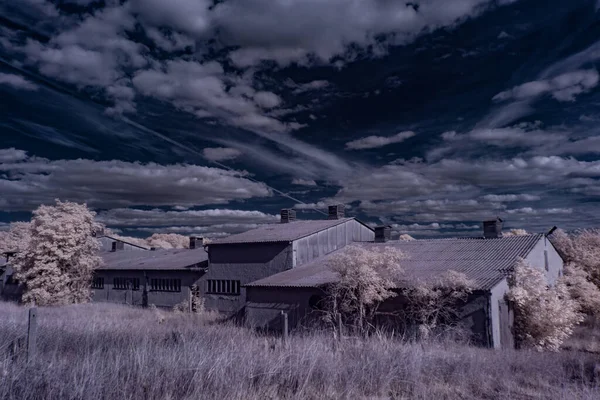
x,y
288,215
493,228
336,211
196,242
383,233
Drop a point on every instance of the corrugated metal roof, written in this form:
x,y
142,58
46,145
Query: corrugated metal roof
x,y
173,259
281,232
485,261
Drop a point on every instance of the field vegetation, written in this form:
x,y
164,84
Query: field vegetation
x,y
104,351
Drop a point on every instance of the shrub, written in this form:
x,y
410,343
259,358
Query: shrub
x,y
544,316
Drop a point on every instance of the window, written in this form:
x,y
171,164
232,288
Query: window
x,y
546,260
126,283
165,285
223,286
98,283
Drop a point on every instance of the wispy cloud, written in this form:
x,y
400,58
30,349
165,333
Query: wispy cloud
x,y
372,142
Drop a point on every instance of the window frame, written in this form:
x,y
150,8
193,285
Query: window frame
x,y
227,287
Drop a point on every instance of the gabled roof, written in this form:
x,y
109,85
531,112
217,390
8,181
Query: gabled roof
x,y
124,241
172,259
282,232
485,261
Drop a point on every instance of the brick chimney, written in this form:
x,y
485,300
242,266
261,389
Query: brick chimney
x,y
492,228
383,233
336,211
288,215
196,242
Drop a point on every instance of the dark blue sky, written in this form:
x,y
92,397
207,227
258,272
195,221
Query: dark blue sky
x,y
192,115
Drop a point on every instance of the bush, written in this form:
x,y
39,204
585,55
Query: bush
x,y
544,316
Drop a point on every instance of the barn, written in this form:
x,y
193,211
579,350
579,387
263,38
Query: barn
x,y
270,249
164,278
486,260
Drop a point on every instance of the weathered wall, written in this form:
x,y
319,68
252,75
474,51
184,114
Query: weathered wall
x,y
245,263
496,295
135,297
329,240
264,305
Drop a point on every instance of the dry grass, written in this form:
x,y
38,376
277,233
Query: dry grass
x,y
586,336
101,351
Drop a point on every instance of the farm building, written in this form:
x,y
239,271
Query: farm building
x,y
270,249
110,243
486,261
164,278
9,287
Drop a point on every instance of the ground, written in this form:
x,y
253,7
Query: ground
x,y
104,351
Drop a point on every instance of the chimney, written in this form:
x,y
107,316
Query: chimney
x,y
336,211
492,228
196,242
383,233
287,215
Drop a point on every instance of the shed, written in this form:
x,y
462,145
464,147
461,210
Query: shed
x,y
486,261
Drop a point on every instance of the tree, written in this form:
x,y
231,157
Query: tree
x,y
16,239
435,301
582,289
168,241
57,265
544,316
365,278
515,232
406,237
582,249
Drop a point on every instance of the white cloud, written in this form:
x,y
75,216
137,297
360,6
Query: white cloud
x,y
304,182
221,153
310,86
12,155
129,217
190,16
107,184
371,142
267,99
564,87
17,82
510,197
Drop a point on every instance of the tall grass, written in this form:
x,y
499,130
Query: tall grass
x,y
101,351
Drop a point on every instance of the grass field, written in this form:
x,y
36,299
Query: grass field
x,y
102,351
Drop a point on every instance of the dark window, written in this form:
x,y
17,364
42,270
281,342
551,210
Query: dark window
x,y
10,280
98,283
222,286
546,260
165,285
126,283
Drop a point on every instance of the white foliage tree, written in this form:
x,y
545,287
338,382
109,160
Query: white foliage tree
x,y
515,232
168,241
16,239
366,277
432,302
406,237
57,265
544,316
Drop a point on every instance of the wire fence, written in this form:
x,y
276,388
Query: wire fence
x,y
19,335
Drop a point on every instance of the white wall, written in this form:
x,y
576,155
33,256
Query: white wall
x,y
496,294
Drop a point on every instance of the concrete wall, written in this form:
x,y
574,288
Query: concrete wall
x,y
536,259
555,264
135,297
329,240
245,263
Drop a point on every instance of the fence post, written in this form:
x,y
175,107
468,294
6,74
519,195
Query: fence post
x,y
31,334
190,300
284,327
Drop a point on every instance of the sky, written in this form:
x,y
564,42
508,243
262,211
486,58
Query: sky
x,y
208,117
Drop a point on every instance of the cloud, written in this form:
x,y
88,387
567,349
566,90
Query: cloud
x,y
190,16
297,31
510,197
12,155
129,217
17,82
221,153
310,86
304,182
107,184
267,99
372,142
564,87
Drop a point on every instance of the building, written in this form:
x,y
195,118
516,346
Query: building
x,y
164,278
110,243
270,249
486,260
9,287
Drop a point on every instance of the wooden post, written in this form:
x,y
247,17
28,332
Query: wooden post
x,y
190,300
284,327
32,334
